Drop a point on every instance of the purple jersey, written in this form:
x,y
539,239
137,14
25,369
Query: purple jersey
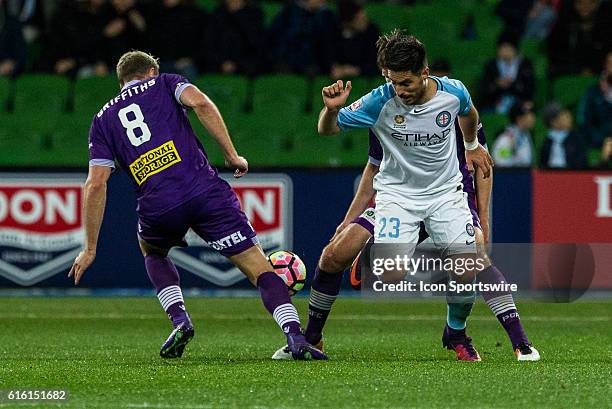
x,y
146,129
375,151
375,154
468,178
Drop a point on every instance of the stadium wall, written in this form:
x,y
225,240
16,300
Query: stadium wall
x,y
41,231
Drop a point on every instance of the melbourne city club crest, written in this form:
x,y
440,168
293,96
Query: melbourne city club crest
x,y
266,199
443,119
41,229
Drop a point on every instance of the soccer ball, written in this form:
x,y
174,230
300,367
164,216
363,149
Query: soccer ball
x,y
290,268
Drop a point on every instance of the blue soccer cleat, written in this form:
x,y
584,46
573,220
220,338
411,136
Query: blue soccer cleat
x,y
178,339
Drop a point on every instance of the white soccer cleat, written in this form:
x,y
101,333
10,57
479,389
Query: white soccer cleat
x,y
283,354
526,352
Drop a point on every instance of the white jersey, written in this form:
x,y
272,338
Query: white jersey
x,y
419,141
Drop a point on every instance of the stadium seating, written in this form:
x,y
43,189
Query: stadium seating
x,y
569,89
388,16
493,124
90,94
4,93
25,139
272,118
593,157
270,10
228,91
280,95
36,93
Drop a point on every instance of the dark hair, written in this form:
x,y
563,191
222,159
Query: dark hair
x,y
517,110
551,112
348,9
135,64
399,51
381,43
509,37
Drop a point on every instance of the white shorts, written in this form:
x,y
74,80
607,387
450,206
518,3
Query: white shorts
x,y
447,219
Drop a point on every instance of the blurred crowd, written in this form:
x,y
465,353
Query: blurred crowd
x,y
82,38
85,37
577,35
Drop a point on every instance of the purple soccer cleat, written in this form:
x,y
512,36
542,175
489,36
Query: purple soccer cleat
x,y
178,339
302,351
458,341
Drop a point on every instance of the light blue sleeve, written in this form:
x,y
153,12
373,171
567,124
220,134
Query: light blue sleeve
x,y
456,88
364,112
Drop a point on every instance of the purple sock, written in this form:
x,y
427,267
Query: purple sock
x,y
323,292
502,305
275,297
165,278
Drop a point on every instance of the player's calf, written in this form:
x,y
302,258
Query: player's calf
x,y
336,257
502,305
164,276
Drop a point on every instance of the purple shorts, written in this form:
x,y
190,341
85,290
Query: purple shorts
x,y
214,215
366,220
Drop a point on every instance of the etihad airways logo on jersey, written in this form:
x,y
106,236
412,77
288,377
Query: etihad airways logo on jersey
x,y
422,139
41,229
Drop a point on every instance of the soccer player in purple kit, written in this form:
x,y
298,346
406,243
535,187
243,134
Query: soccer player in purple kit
x,y
146,129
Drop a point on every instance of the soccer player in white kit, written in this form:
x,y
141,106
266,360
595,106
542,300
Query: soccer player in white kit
x,y
419,178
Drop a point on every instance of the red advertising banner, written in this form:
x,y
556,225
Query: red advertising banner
x,y
573,209
41,229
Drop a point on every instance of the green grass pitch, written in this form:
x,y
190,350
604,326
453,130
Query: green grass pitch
x,y
104,351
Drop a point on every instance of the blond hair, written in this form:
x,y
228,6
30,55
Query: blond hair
x,y
135,64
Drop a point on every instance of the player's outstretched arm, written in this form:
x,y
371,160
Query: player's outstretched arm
x,y
363,197
334,98
211,118
94,201
475,154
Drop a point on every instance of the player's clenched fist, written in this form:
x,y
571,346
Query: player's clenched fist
x,y
335,95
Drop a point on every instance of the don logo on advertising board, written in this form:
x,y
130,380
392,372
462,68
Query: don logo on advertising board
x,y
266,199
41,229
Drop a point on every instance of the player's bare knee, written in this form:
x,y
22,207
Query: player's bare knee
x,y
330,260
342,250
